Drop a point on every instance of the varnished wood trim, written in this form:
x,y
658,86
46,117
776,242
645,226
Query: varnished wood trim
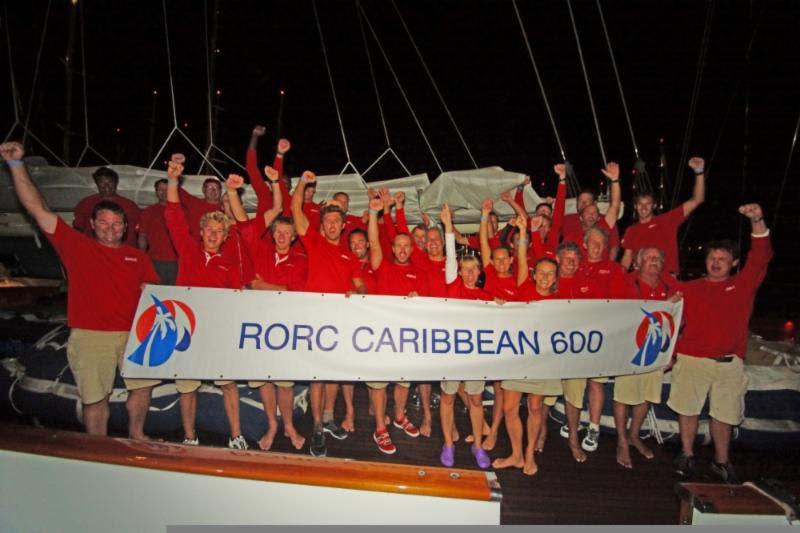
x,y
255,465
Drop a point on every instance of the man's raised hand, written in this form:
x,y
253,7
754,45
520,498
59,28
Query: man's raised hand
x,y
507,196
259,131
309,177
385,197
487,207
561,170
446,216
234,181
12,151
426,220
697,164
271,174
611,171
175,166
284,146
399,199
375,204
752,211
536,222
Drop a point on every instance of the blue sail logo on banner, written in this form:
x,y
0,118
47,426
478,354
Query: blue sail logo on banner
x,y
161,329
653,337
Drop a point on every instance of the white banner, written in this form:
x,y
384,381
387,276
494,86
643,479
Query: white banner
x,y
188,332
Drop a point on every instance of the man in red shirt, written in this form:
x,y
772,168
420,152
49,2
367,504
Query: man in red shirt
x,y
100,308
713,344
590,216
107,181
398,277
662,231
634,393
331,269
154,237
201,264
264,192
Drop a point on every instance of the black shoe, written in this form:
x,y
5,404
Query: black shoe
x,y
684,465
334,431
318,448
725,472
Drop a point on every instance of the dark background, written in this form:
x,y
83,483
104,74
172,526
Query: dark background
x,y
746,110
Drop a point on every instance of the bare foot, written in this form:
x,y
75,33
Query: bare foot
x,y
508,462
540,442
530,467
489,442
644,450
456,436
348,424
624,456
577,453
425,428
469,439
265,442
297,440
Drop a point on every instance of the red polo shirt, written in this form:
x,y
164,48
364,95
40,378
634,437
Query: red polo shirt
x,y
661,232
154,226
330,267
104,284
401,280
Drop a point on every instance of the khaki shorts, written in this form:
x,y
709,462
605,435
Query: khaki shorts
x,y
724,383
93,357
470,387
575,387
539,387
383,384
281,384
550,401
185,386
639,388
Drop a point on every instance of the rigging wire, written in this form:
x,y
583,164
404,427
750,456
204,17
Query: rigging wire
x,y
389,149
399,85
588,86
619,81
701,62
785,174
87,146
333,87
433,82
36,70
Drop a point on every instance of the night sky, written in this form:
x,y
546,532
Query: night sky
x,y
746,110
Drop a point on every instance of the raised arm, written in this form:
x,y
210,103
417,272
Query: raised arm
x,y
612,173
375,251
522,249
450,264
263,193
509,199
233,184
697,164
519,195
174,172
27,193
559,207
483,233
283,146
300,219
277,207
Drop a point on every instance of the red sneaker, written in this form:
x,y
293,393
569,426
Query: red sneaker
x,y
384,442
410,429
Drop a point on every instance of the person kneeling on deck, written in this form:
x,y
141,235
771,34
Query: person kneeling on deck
x,y
398,277
711,350
331,269
634,393
200,264
541,287
100,308
462,284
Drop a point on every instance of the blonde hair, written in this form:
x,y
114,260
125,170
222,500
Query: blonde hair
x,y
216,216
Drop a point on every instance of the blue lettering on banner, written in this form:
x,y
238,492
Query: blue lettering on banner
x,y
243,334
309,332
532,344
386,340
440,337
463,340
355,334
505,342
410,336
576,342
286,336
319,339
482,342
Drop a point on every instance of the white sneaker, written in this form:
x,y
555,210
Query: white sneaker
x,y
589,442
237,443
191,442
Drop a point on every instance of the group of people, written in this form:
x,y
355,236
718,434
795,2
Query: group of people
x,y
296,244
